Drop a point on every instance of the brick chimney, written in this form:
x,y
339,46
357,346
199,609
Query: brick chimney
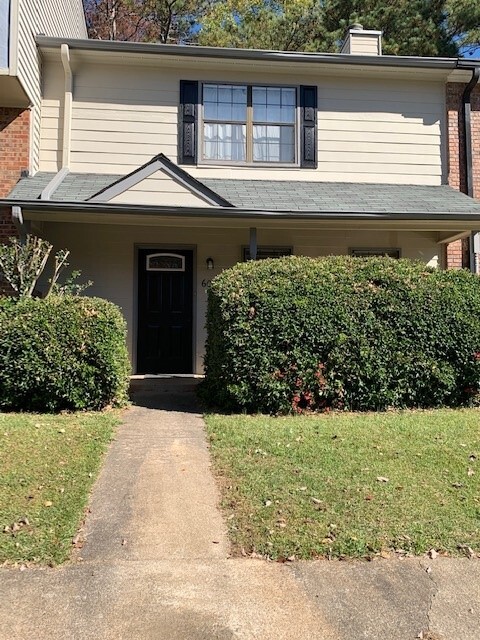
x,y
358,41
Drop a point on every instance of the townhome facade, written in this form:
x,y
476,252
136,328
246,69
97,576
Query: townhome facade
x,y
160,165
20,84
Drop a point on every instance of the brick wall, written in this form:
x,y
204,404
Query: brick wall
x,y
14,157
457,252
14,146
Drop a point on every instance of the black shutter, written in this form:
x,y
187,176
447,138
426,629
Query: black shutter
x,y
308,124
187,122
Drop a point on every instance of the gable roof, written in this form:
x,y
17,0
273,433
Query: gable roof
x,y
159,163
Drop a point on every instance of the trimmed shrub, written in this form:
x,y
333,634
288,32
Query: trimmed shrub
x,y
62,353
296,333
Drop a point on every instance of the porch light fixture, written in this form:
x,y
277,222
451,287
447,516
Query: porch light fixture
x,y
210,264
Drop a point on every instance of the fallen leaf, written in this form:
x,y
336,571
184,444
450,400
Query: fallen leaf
x,y
48,503
432,554
291,558
457,485
369,497
468,551
382,479
268,503
428,569
303,489
215,541
470,472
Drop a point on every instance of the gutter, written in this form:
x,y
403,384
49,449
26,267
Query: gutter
x,y
142,48
468,153
67,106
467,132
50,207
20,225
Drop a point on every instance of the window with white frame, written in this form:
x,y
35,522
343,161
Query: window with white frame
x,y
371,253
267,252
249,124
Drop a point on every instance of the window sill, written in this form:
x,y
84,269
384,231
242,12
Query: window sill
x,y
246,165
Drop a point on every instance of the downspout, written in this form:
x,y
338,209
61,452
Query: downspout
x,y
67,106
20,225
468,155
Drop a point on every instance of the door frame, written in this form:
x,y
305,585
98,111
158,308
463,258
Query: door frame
x,y
163,247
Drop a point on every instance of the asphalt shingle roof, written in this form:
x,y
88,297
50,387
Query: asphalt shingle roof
x,y
289,195
342,196
76,187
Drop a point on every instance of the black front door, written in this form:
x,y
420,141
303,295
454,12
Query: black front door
x,y
165,311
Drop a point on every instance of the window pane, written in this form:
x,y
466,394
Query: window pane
x,y
239,95
273,96
225,93
289,97
165,262
210,93
224,142
225,103
210,110
259,95
272,104
273,143
224,111
287,114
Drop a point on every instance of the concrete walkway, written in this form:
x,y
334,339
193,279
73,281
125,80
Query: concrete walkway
x,y
155,562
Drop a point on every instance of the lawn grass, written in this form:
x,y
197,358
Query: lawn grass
x,y
48,464
349,484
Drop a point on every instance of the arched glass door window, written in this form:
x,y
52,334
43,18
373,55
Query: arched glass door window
x,y
165,262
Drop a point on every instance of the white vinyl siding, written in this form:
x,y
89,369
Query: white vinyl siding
x,y
51,18
369,130
161,190
364,44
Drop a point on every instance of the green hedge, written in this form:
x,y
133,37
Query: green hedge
x,y
298,333
62,353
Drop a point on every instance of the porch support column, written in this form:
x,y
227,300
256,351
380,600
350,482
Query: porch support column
x,y
253,243
474,246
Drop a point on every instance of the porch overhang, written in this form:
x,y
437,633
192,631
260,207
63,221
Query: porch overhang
x,y
450,226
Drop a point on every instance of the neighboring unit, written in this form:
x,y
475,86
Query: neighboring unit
x,y
20,83
161,165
